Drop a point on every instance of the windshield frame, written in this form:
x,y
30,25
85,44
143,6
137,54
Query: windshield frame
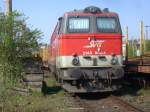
x,y
117,26
78,31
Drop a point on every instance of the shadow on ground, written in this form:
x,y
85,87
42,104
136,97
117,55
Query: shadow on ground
x,y
93,96
46,90
125,90
132,84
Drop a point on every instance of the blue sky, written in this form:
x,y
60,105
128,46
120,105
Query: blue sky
x,y
43,14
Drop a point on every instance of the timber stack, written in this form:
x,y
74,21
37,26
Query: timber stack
x,y
33,74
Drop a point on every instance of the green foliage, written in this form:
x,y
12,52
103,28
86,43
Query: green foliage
x,y
147,45
132,49
17,41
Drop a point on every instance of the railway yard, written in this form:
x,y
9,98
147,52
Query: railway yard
x,y
55,99
89,64
128,99
132,97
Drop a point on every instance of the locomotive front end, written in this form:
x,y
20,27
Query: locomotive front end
x,y
89,51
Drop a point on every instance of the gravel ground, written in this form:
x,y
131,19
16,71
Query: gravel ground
x,y
104,103
56,99
100,102
141,100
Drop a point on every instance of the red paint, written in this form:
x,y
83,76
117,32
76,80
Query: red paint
x,y
75,43
70,44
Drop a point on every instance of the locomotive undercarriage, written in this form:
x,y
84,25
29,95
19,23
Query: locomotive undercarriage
x,y
81,80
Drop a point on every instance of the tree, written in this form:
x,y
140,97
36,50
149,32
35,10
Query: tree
x,y
17,41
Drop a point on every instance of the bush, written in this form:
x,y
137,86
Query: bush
x,y
17,41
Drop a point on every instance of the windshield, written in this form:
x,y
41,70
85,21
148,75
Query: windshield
x,y
105,24
78,24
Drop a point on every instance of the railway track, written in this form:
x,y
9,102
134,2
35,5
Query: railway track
x,y
128,106
101,103
104,104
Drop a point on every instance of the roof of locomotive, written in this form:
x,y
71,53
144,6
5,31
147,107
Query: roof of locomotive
x,y
90,11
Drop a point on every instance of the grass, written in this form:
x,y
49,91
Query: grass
x,y
144,92
55,100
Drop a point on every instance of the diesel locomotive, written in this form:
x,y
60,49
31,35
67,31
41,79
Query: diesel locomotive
x,y
85,51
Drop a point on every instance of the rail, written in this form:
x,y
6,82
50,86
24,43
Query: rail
x,y
106,103
129,107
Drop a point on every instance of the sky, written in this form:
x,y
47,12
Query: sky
x,y
43,14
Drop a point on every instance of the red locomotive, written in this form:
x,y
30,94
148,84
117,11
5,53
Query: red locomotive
x,y
86,51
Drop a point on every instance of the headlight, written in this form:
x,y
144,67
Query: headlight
x,y
75,61
114,61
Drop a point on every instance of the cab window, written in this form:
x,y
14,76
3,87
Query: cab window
x,y
106,24
79,24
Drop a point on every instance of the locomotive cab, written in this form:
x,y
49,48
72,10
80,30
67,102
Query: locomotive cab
x,y
86,51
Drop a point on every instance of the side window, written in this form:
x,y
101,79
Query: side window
x,y
60,25
54,33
